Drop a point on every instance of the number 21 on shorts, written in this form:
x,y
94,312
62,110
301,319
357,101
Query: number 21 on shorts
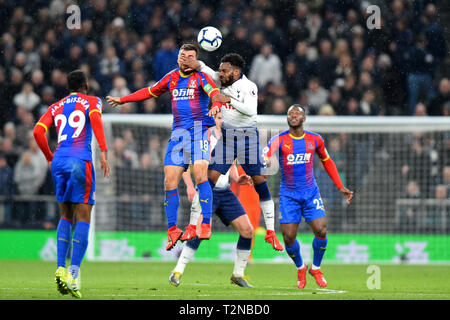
x,y
319,204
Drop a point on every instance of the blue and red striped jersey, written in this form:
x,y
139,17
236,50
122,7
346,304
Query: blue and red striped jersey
x,y
296,155
190,97
71,116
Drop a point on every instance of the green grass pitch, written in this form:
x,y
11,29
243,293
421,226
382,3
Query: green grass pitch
x,y
33,280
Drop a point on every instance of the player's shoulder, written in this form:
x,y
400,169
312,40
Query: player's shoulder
x,y
170,74
247,84
90,99
314,135
57,107
202,74
280,135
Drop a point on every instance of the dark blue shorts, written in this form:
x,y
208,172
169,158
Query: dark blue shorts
x,y
186,146
294,205
74,180
241,144
227,206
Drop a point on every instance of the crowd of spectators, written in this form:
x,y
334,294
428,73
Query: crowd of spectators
x,y
316,52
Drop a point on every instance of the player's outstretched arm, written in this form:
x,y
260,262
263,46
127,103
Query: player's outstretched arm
x,y
137,96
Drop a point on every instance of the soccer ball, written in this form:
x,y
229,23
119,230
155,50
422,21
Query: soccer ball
x,y
209,38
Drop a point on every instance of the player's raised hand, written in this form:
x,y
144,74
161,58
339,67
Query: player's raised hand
x,y
347,193
189,63
104,165
221,98
191,192
214,109
113,101
244,179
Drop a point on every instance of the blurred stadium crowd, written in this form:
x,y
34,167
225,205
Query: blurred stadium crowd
x,y
316,52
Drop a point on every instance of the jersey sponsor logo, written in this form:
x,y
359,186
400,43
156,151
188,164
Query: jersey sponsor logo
x,y
299,158
183,94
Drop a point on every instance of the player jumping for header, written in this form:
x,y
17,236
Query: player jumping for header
x,y
189,141
240,136
75,117
299,193
230,211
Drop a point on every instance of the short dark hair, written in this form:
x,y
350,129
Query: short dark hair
x,y
76,80
235,60
189,47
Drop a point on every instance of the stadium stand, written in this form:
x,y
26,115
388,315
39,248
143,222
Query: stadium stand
x,y
315,52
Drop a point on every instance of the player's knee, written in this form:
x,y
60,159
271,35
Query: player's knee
x,y
170,183
289,238
213,175
200,178
248,232
259,179
321,232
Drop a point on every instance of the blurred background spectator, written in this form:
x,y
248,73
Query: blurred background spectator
x,y
318,53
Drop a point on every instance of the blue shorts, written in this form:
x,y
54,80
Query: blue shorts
x,y
294,205
74,180
226,205
241,144
186,146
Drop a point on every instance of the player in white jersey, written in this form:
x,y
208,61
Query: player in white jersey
x,y
230,211
240,137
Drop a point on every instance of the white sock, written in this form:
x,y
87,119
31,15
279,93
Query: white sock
x,y
313,267
240,262
268,209
185,257
74,270
303,265
196,210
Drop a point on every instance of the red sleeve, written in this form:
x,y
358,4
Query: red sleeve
x,y
330,168
328,163
146,93
95,112
272,147
160,87
139,95
321,150
44,123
